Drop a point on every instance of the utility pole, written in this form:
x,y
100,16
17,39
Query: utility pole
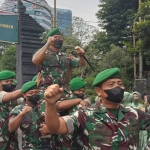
x,y
140,56
55,11
134,56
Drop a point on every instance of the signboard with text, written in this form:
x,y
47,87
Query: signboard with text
x,y
8,27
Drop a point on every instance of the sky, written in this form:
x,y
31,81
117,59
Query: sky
x,y
85,9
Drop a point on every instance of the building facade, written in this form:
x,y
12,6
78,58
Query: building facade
x,y
41,15
64,19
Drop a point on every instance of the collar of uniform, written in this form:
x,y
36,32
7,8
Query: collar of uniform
x,y
102,109
50,50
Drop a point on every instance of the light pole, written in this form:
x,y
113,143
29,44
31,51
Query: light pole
x,y
55,11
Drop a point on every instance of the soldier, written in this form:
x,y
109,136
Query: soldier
x,y
55,65
26,117
76,99
110,126
6,95
67,107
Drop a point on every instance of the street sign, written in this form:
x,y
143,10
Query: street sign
x,y
8,27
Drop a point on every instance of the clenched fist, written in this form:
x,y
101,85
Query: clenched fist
x,y
26,110
53,93
80,51
50,41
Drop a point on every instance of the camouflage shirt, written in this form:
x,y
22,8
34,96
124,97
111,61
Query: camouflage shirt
x,y
54,69
101,130
31,136
70,141
4,116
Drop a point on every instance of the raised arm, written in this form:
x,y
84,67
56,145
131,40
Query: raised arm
x,y
39,56
54,124
67,104
14,123
11,96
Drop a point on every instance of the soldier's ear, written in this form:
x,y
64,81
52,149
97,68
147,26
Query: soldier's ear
x,y
98,91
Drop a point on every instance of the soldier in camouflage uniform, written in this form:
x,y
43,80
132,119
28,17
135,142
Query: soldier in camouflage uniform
x,y
110,126
27,117
55,65
46,137
6,95
67,107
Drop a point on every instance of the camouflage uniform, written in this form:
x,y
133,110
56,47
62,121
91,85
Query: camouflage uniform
x,y
70,141
31,136
5,136
103,131
54,69
14,136
46,140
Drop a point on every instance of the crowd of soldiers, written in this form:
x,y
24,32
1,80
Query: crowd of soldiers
x,y
54,113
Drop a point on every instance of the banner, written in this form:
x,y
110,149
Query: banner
x,y
8,27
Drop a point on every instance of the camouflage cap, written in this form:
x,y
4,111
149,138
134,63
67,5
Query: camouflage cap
x,y
31,85
6,74
76,84
34,78
106,74
55,31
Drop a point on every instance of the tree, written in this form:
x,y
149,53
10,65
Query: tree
x,y
142,30
116,17
8,59
118,57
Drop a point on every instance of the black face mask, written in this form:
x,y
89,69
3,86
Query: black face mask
x,y
80,96
8,87
34,99
58,43
115,95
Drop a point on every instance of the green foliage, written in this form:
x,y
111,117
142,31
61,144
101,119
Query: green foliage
x,y
89,81
142,30
118,57
8,59
90,92
116,17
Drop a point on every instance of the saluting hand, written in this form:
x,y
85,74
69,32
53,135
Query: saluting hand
x,y
80,51
53,93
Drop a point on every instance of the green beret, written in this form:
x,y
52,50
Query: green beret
x,y
6,74
106,74
76,84
34,78
15,82
55,31
31,85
